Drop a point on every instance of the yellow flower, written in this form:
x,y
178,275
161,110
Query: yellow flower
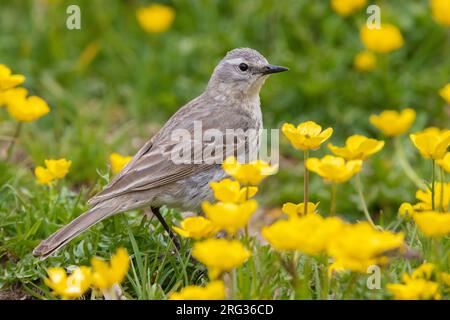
x,y
118,161
334,169
228,190
105,275
220,255
307,135
28,109
248,173
155,18
393,123
55,169
441,11
230,216
310,234
383,40
415,289
69,287
445,93
196,228
444,277
58,168
424,271
365,61
215,290
445,162
406,210
416,285
433,224
9,96
9,80
441,197
347,7
357,147
432,142
43,175
359,246
296,210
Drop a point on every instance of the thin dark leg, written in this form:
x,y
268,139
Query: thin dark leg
x,y
174,238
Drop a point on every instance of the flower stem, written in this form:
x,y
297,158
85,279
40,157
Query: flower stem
x,y
305,182
406,166
333,199
442,189
10,149
433,177
363,201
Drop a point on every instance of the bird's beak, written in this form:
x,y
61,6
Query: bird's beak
x,y
273,69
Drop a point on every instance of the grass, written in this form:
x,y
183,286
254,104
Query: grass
x,y
111,86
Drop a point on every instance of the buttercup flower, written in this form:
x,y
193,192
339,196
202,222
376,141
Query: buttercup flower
x,y
406,210
334,169
383,40
393,123
196,228
441,11
9,96
29,109
445,92
359,246
441,197
248,173
365,61
215,290
43,175
230,216
55,169
417,285
9,80
347,7
220,255
105,275
357,147
58,168
228,190
310,234
432,142
118,161
155,18
433,224
307,135
445,162
69,287
296,210
445,278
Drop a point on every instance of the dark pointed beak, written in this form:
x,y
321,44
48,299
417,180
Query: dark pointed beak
x,y
273,69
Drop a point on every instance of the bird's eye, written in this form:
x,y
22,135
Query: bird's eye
x,y
243,67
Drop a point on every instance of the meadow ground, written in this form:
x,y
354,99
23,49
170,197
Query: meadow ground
x,y
111,85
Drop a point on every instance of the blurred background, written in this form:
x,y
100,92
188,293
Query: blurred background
x,y
112,84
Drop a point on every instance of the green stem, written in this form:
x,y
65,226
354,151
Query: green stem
x,y
442,189
333,199
350,285
433,177
363,201
406,166
305,182
10,149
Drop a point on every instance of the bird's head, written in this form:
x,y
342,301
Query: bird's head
x,y
242,72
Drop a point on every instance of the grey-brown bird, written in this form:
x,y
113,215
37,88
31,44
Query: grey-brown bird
x,y
152,178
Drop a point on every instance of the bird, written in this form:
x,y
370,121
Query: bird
x,y
152,178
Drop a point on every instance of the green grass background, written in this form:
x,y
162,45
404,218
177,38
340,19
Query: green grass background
x,y
117,100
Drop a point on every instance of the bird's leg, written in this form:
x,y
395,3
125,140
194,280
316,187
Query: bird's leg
x,y
174,238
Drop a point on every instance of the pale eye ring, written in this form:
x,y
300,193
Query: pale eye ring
x,y
243,66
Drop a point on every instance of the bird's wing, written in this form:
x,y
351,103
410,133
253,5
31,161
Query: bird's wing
x,y
153,164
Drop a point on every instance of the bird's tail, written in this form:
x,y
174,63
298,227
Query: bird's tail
x,y
73,229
